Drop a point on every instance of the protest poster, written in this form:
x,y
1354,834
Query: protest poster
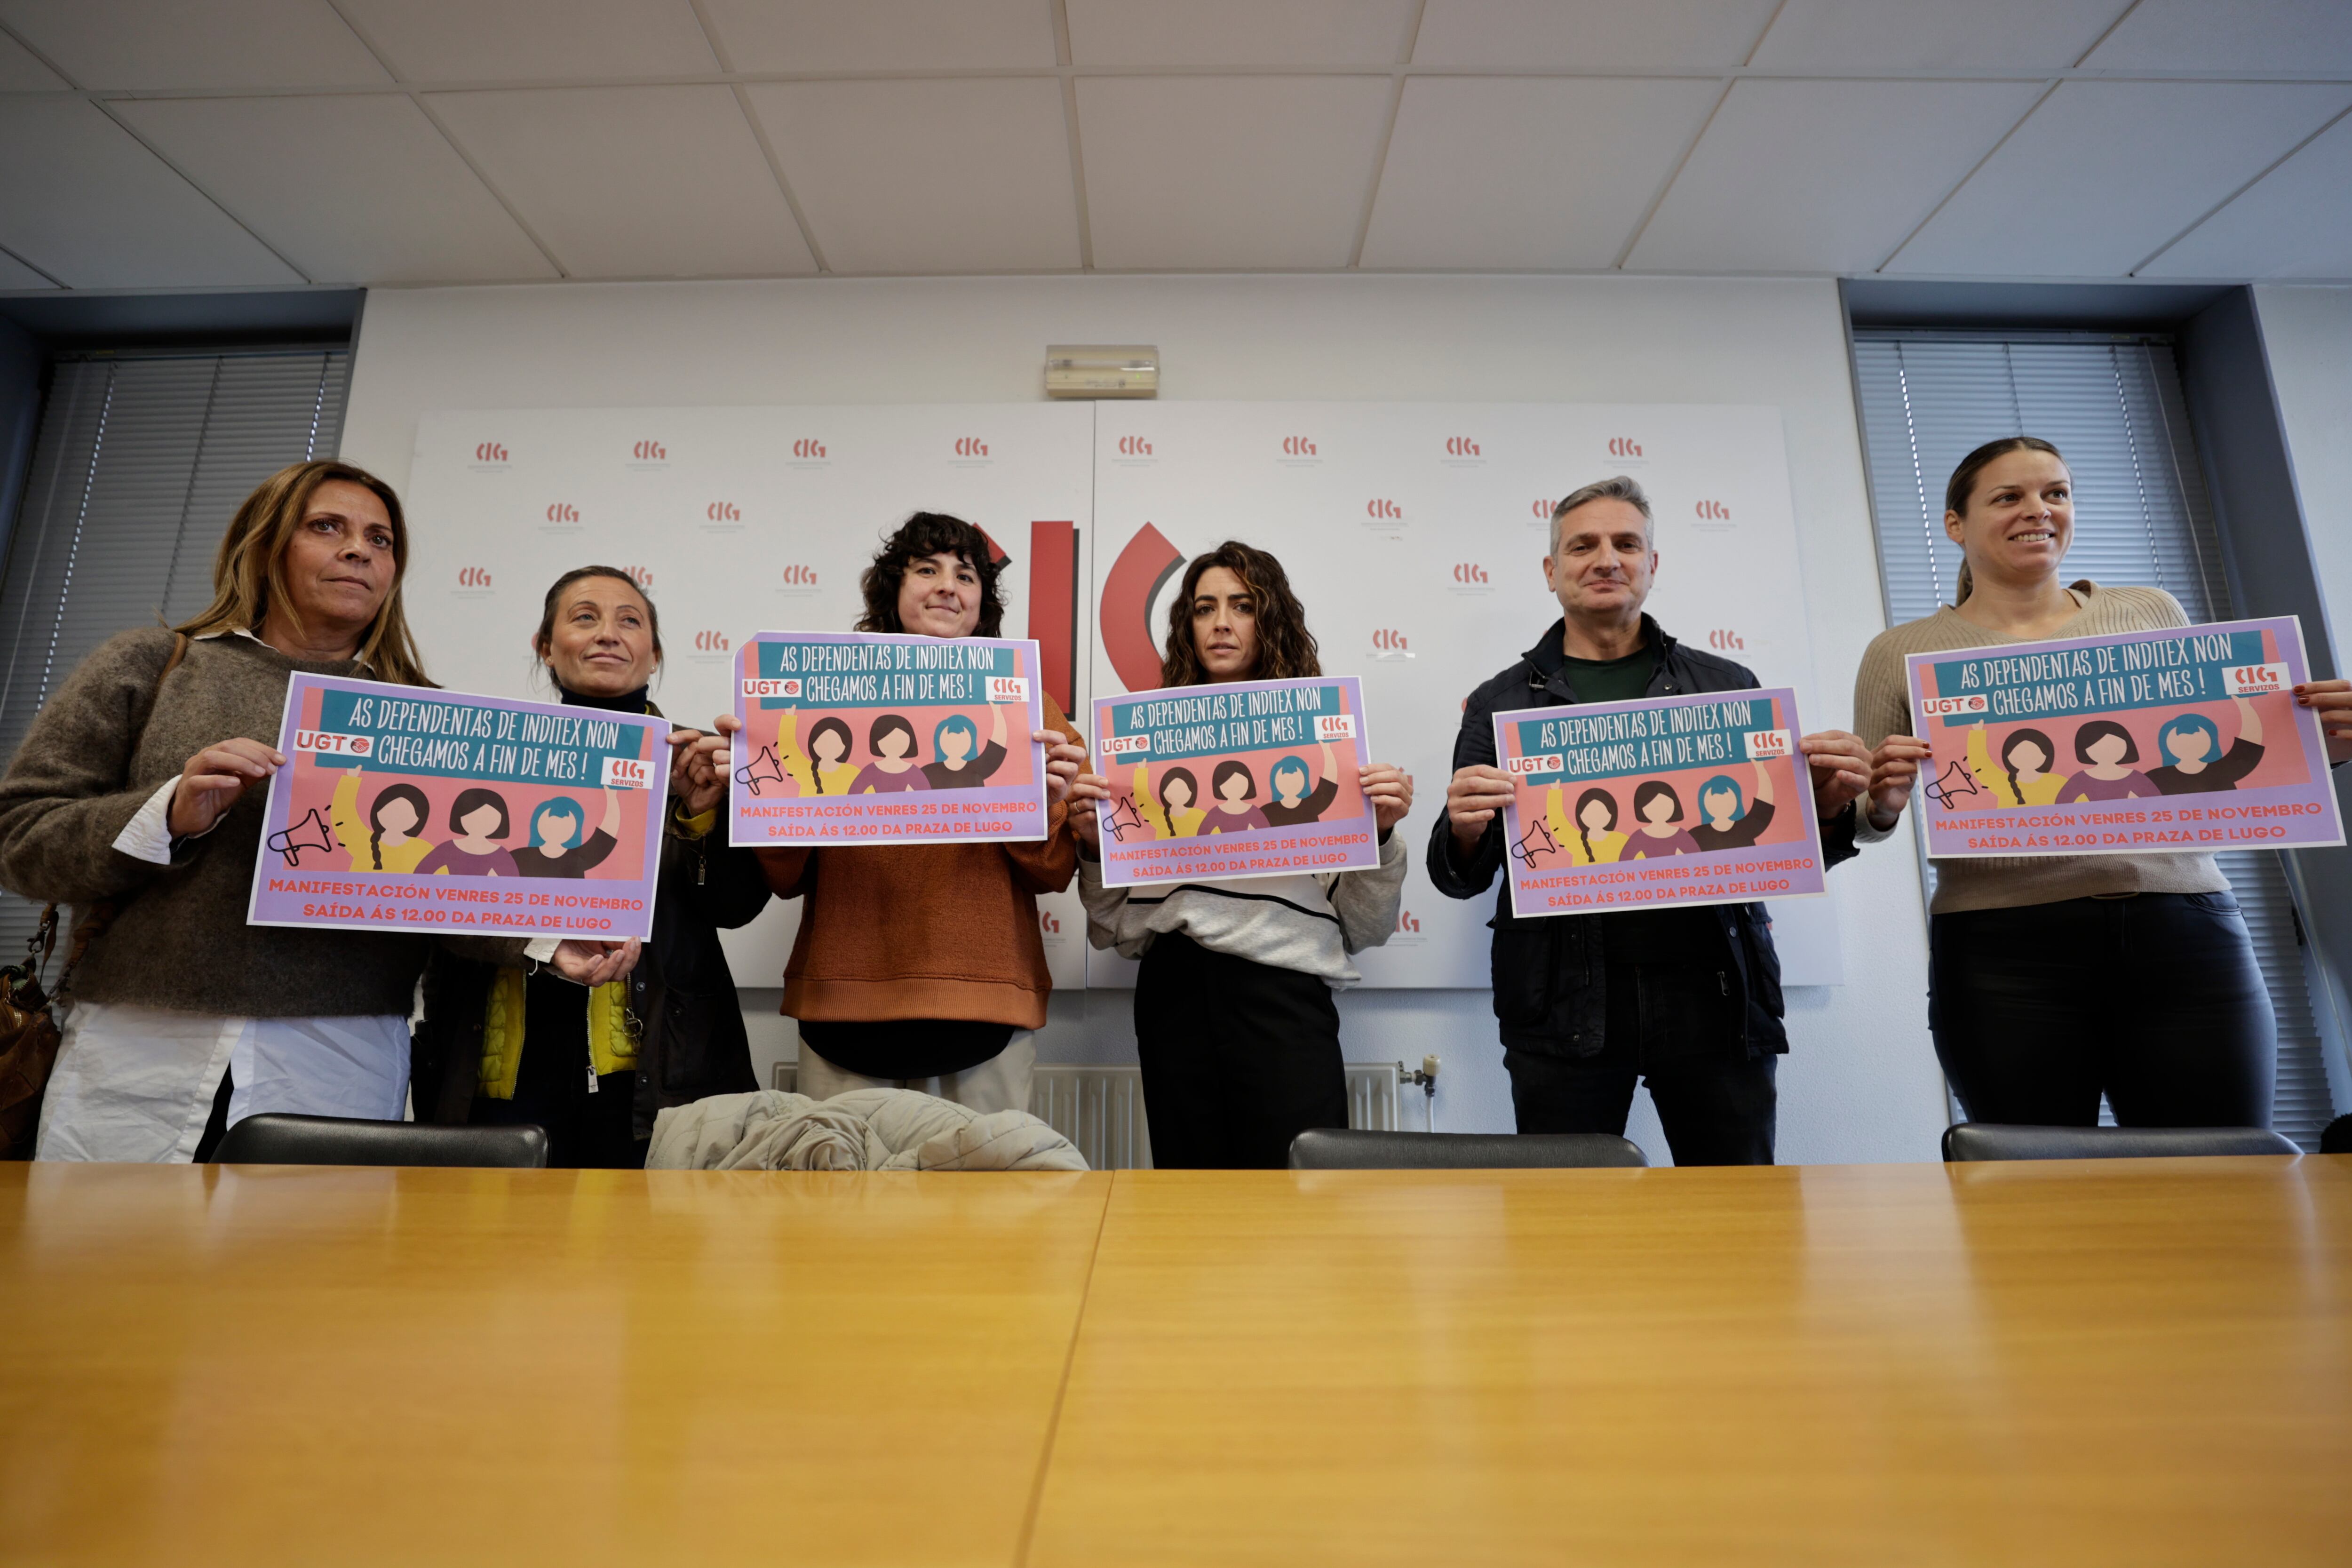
x,y
407,808
1671,800
1255,779
870,738
2187,738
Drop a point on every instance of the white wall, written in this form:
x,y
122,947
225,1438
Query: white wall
x,y
2307,334
1860,1081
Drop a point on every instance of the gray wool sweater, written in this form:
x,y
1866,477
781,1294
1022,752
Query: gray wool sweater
x,y
181,941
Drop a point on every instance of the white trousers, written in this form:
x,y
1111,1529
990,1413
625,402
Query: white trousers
x,y
1000,1083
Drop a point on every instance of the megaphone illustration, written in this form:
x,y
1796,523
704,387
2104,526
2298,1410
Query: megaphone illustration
x,y
762,769
1125,819
311,833
1955,781
1537,840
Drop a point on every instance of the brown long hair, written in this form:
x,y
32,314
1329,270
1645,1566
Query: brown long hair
x,y
1286,648
921,537
1963,484
249,572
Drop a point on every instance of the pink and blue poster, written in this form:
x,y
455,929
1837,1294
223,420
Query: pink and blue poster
x,y
407,808
867,738
1672,800
2183,740
1256,779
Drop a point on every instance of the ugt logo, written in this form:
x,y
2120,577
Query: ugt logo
x,y
711,642
1724,640
1388,639
1298,447
649,452
1461,447
722,512
1714,509
798,576
562,512
1623,447
1383,508
970,447
805,449
639,575
1407,923
1469,575
473,577
1134,447
490,452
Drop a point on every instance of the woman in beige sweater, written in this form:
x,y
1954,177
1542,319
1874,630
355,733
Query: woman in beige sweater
x,y
2054,979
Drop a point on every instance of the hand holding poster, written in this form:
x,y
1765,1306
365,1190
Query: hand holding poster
x,y
2187,738
865,738
1673,800
405,808
1257,779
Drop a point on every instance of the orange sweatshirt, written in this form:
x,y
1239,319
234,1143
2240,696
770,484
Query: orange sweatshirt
x,y
924,931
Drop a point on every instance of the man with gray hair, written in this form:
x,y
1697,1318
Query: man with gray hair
x,y
1686,998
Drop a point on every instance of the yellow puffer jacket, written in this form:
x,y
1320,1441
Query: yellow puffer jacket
x,y
612,1033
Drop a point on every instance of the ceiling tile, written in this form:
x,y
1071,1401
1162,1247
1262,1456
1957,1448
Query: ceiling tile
x,y
881,35
633,182
1526,173
2314,36
1228,172
2292,223
20,72
1822,176
81,200
2107,172
1934,35
1589,35
15,274
353,189
171,43
1238,32
522,40
928,176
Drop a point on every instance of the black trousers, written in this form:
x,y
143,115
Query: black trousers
x,y
1238,1058
2155,1000
1676,1029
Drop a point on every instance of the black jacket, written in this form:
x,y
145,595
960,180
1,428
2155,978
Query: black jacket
x,y
693,1042
1550,974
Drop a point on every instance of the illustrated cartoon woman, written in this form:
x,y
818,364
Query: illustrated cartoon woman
x,y
832,773
2106,751
556,849
2194,760
1726,822
1234,788
1594,840
2024,776
1655,805
1293,801
1170,814
387,840
479,819
892,769
954,741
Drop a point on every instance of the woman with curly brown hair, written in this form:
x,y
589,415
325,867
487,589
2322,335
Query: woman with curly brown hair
x,y
921,966
1234,1023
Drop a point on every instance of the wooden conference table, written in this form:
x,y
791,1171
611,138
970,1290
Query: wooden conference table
x,y
2111,1362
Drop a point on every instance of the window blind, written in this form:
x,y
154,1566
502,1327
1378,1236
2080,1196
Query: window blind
x,y
139,463
2114,405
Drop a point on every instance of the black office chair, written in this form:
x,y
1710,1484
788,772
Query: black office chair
x,y
1334,1149
2337,1139
272,1140
1968,1141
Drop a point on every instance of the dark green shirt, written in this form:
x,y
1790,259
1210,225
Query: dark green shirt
x,y
1613,680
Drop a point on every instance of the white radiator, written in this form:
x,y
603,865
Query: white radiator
x,y
1100,1108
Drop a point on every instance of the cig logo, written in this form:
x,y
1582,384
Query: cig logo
x,y
1461,447
562,512
1383,508
1389,640
970,447
1048,922
1134,447
1407,922
1714,509
722,512
1466,573
1542,510
490,452
711,642
1298,447
805,449
800,576
649,452
1623,447
473,577
639,575
1724,640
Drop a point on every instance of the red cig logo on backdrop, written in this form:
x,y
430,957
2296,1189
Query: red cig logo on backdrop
x,y
1623,447
800,576
1134,447
1466,572
1388,639
806,448
490,452
1723,640
562,512
711,642
1542,509
473,577
1383,508
970,447
1048,922
649,452
1714,509
1407,922
1298,447
722,512
1461,447
639,575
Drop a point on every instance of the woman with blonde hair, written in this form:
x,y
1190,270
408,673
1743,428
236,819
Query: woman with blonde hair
x,y
137,798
